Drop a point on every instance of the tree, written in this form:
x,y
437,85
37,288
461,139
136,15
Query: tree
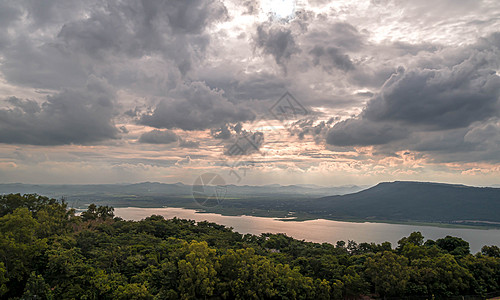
x,y
290,284
389,272
352,247
416,238
132,291
454,245
94,212
107,285
340,244
33,202
36,288
19,246
43,255
485,272
244,275
440,276
197,275
69,273
492,251
54,219
3,279
354,285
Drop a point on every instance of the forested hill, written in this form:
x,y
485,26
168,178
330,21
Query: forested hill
x,y
49,252
418,201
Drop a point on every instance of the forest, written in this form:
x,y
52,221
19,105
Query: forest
x,y
48,251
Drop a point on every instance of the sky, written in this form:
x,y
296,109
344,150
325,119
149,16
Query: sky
x,y
260,92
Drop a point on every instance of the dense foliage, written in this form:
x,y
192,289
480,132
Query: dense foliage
x,y
47,252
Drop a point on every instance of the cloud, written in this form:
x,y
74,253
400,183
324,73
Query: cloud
x,y
340,35
226,131
223,132
358,132
309,126
185,161
59,43
276,41
76,116
102,30
244,144
124,129
242,86
133,112
331,57
172,66
188,143
195,106
158,137
46,66
438,99
449,110
175,29
252,6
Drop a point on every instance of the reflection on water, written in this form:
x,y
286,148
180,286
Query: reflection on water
x,y
320,230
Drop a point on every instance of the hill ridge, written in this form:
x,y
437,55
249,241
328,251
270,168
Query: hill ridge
x,y
416,201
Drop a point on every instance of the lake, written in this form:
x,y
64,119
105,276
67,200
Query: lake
x,y
320,230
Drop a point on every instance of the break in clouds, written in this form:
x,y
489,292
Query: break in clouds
x,y
165,80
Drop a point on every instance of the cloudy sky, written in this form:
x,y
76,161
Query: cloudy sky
x,y
132,91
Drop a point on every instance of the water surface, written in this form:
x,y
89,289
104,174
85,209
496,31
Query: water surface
x,y
320,230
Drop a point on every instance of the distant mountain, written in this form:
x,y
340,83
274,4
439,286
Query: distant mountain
x,y
295,191
399,201
156,189
413,201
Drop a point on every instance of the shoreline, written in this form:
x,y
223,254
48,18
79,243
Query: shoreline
x,y
302,217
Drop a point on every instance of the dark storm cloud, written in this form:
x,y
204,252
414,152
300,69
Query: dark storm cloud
x,y
479,142
166,137
48,14
80,39
371,76
341,46
331,57
438,110
227,131
158,137
133,112
103,38
358,132
195,107
170,61
172,28
79,116
311,127
438,99
224,132
276,41
445,140
244,87
147,23
46,66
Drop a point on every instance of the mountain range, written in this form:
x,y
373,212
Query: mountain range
x,y
400,201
